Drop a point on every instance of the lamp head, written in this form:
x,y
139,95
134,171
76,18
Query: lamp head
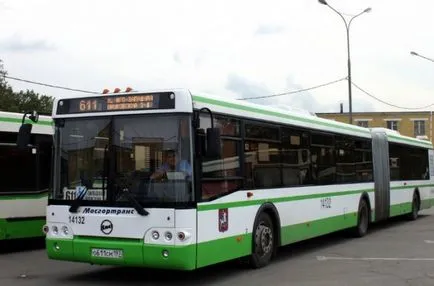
x,y
367,10
322,2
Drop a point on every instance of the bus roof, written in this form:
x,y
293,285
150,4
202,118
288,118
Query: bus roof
x,y
11,122
296,118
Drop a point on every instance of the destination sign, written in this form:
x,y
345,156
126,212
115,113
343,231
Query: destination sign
x,y
164,100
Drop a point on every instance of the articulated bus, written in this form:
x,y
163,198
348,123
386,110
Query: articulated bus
x,y
25,177
180,180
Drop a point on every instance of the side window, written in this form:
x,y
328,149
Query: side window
x,y
18,170
345,161
262,153
228,165
261,131
223,175
8,137
395,159
44,143
295,157
408,163
323,159
363,160
417,164
228,126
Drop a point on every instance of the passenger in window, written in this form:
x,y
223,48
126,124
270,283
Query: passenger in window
x,y
171,164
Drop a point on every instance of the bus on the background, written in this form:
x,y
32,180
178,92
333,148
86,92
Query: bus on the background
x,y
24,176
178,180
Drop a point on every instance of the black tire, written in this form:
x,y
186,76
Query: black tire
x,y
263,240
362,219
415,207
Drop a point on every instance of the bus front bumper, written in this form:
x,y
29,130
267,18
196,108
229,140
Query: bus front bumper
x,y
122,252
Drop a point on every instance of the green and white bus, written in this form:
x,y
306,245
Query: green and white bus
x,y
25,177
180,180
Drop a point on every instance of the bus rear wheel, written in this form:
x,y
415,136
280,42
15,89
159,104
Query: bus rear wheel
x,y
362,219
263,241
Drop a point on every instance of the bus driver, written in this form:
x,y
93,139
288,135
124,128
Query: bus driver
x,y
170,164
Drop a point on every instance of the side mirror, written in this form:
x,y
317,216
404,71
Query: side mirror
x,y
213,149
34,116
24,135
25,132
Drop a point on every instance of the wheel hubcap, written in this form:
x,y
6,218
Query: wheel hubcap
x,y
263,240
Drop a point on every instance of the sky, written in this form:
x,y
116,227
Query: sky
x,y
238,49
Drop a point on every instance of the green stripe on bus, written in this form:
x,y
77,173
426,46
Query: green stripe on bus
x,y
17,120
23,196
302,231
277,200
274,113
400,209
208,207
293,117
21,229
135,252
210,252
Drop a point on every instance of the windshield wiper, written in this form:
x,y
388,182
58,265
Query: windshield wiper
x,y
140,210
76,203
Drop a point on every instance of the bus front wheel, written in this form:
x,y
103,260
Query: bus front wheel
x,y
263,241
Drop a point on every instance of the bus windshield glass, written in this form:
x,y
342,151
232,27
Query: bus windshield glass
x,y
112,158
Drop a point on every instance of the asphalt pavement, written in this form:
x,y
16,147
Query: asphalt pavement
x,y
395,253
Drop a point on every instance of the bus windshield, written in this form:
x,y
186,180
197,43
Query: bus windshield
x,y
104,158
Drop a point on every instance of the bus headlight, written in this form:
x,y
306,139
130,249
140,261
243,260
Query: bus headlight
x,y
155,235
65,230
168,236
58,230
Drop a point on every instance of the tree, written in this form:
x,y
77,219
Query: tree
x,y
22,101
6,93
2,76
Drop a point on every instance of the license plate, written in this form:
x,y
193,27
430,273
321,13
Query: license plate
x,y
107,253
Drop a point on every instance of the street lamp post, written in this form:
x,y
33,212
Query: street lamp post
x,y
347,26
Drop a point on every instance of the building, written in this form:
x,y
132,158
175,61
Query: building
x,y
417,124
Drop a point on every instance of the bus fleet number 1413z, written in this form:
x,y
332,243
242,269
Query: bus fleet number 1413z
x,y
77,219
